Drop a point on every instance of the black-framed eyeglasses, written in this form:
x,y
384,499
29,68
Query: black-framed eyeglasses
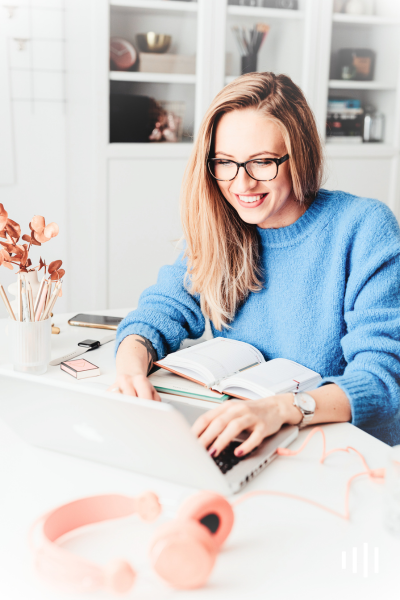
x,y
260,169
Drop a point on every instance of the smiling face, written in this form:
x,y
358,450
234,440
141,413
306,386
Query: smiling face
x,y
243,135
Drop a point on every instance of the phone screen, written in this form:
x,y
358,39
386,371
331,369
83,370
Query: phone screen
x,y
99,320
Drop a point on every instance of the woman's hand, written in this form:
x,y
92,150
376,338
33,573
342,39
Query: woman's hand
x,y
217,428
135,385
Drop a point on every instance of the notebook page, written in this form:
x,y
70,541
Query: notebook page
x,y
216,359
275,376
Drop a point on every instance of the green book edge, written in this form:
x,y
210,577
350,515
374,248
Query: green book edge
x,y
190,395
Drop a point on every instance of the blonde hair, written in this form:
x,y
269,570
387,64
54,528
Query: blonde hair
x,y
221,249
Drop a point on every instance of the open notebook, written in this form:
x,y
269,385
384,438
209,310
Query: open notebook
x,y
238,369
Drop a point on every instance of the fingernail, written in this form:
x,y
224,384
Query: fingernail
x,y
238,452
212,451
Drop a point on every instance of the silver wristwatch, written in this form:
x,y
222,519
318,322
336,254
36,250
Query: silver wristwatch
x,y
306,404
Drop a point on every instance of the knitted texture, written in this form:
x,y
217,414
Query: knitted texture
x,y
330,301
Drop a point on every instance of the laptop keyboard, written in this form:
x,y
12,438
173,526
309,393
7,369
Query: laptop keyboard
x,y
226,460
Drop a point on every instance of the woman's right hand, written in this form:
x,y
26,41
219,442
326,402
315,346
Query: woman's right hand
x,y
134,385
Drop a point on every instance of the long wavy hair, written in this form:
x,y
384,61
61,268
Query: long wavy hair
x,y
221,249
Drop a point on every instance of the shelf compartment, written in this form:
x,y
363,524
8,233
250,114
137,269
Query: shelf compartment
x,y
172,5
364,19
137,76
268,13
343,84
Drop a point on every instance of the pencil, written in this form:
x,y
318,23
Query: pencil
x,y
6,302
51,302
41,302
30,300
39,295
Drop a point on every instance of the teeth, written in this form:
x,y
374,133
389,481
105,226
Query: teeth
x,y
250,199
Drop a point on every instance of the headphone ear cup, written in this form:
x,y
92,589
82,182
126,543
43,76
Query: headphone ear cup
x,y
213,511
183,553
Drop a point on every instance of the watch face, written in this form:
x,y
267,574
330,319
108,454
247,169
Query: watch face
x,y
88,343
306,402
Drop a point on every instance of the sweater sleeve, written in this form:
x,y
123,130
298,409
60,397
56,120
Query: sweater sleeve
x,y
167,313
371,344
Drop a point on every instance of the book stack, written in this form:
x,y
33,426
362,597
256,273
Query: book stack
x,y
345,121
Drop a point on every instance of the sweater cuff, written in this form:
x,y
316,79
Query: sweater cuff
x,y
365,393
146,331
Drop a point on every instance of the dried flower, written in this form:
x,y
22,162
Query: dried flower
x,y
42,232
12,253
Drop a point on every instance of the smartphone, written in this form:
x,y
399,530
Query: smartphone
x,y
96,321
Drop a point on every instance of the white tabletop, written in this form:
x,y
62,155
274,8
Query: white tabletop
x,y
279,548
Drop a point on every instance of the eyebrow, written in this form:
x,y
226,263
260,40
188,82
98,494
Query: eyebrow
x,y
253,155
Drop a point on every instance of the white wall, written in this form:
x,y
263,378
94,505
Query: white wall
x,y
38,118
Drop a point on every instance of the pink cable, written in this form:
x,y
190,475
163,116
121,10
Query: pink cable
x,y
373,473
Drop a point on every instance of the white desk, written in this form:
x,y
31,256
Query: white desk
x,y
279,548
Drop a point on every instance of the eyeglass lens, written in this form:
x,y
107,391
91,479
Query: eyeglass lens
x,y
263,170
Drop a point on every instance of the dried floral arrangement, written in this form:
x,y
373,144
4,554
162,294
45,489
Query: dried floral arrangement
x,y
12,253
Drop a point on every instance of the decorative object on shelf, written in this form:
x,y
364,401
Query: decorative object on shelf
x,y
345,120
359,7
374,123
356,64
150,62
249,43
153,42
123,55
132,118
170,124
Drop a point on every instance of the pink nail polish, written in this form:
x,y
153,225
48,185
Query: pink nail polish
x,y
212,451
239,453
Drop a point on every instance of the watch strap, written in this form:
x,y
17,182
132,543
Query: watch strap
x,y
80,350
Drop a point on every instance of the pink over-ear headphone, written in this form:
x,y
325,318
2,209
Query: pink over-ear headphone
x,y
182,552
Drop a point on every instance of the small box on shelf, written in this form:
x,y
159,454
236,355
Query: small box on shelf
x,y
167,63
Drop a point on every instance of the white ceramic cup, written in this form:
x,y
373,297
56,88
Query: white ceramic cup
x,y
30,346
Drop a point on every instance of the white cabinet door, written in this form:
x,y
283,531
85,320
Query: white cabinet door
x,y
144,224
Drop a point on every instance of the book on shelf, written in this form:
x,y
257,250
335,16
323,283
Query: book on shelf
x,y
237,369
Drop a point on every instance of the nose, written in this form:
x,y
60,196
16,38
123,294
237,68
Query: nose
x,y
243,182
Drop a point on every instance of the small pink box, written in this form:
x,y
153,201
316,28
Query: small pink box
x,y
80,368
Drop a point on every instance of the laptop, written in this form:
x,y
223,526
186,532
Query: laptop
x,y
153,438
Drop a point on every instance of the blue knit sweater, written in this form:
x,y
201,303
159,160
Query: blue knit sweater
x,y
330,301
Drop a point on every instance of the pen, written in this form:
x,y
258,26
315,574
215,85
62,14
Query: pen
x,y
25,308
30,300
7,303
19,297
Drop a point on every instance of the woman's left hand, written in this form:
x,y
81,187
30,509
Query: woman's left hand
x,y
217,428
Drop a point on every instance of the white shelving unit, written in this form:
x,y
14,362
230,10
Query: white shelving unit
x,y
131,191
151,77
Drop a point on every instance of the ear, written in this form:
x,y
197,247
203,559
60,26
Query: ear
x,y
212,511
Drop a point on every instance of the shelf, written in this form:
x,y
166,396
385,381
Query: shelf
x,y
150,150
364,19
343,84
172,5
271,13
151,77
336,150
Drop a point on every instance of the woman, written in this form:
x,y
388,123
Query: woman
x,y
299,272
